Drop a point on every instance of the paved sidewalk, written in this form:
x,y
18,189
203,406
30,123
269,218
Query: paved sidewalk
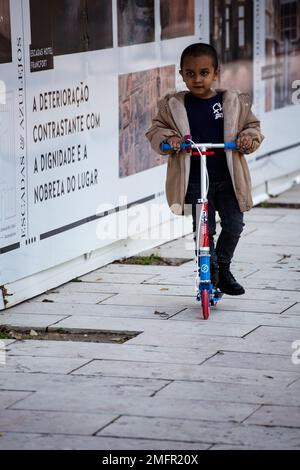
x,y
182,383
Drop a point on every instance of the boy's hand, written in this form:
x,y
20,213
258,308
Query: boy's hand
x,y
175,142
244,144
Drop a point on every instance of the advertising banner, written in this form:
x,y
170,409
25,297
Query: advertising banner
x,y
259,45
79,84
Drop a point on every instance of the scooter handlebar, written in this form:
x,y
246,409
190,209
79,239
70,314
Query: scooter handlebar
x,y
167,147
227,146
230,145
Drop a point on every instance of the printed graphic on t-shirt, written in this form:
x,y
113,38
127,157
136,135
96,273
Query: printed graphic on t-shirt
x,y
218,110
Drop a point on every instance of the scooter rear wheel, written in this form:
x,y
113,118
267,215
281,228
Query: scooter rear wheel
x,y
205,304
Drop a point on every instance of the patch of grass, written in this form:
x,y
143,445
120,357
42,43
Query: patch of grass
x,y
152,260
266,205
279,205
147,260
7,333
4,334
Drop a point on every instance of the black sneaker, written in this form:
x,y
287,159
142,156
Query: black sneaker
x,y
227,283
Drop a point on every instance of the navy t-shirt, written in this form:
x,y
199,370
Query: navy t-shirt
x,y
207,126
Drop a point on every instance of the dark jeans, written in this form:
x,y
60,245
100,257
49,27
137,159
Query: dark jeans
x,y
221,198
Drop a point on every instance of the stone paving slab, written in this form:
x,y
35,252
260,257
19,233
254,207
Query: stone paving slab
x,y
7,342
262,229
276,250
275,210
295,387
187,372
11,397
264,306
187,250
164,354
46,365
287,197
267,245
234,316
130,270
236,447
262,218
73,298
218,342
239,392
182,301
272,284
178,289
290,218
149,300
261,257
132,289
181,349
290,263
277,274
284,242
17,441
294,310
262,319
30,321
153,327
283,234
128,277
203,431
259,252
252,360
276,334
180,279
156,406
184,245
98,310
288,416
53,422
87,391
56,384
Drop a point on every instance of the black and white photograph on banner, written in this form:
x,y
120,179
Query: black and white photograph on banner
x,y
282,52
135,22
5,32
177,18
72,26
138,95
231,26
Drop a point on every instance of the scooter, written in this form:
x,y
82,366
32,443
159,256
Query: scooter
x,y
207,293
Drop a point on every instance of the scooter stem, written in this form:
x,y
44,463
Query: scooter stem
x,y
203,175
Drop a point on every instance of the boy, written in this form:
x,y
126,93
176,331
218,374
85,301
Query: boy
x,y
214,116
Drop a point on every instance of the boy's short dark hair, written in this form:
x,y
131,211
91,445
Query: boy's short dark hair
x,y
200,49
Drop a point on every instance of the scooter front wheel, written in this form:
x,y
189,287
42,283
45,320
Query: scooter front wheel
x,y
205,304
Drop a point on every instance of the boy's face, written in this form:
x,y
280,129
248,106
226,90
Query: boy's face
x,y
198,74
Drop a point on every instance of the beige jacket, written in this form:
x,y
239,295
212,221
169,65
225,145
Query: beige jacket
x,y
239,120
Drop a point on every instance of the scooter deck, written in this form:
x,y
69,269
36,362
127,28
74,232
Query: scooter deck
x,y
218,295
